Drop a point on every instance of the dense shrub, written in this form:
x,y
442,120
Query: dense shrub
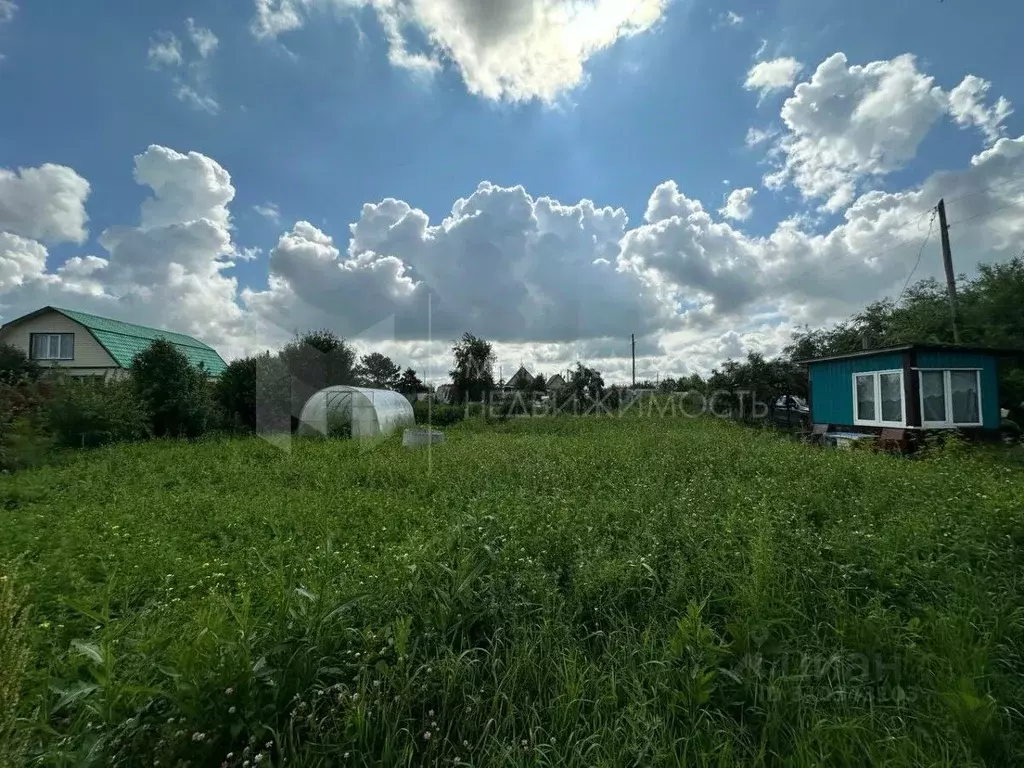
x,y
253,394
173,391
15,365
90,412
444,415
234,392
24,438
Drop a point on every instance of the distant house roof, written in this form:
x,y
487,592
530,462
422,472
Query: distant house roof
x,y
518,375
556,379
918,347
123,341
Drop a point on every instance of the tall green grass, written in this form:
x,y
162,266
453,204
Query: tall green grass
x,y
570,592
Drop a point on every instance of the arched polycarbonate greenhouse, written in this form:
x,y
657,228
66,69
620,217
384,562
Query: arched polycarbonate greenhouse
x,y
355,412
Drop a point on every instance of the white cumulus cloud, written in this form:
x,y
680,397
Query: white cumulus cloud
x,y
165,51
7,10
44,203
738,204
849,123
515,52
550,282
202,38
775,75
190,74
966,105
269,211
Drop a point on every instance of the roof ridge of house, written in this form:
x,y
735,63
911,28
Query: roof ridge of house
x,y
197,344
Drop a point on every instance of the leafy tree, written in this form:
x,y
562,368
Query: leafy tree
x,y
87,412
691,383
585,383
315,360
473,374
667,385
739,384
173,391
377,370
320,359
254,393
539,385
410,384
16,366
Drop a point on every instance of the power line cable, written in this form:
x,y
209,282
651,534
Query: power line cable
x,y
917,263
985,189
986,213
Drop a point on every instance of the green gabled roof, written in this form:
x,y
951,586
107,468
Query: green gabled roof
x,y
123,341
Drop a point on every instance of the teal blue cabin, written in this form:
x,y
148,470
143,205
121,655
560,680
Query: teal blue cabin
x,y
916,386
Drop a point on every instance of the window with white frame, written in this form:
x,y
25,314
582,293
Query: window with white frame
x,y
950,398
878,399
52,346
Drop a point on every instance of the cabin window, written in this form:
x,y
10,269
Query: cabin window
x,y
878,399
950,398
52,346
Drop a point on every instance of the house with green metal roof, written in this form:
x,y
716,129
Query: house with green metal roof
x,y
88,345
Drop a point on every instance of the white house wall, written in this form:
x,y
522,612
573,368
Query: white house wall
x,y
90,357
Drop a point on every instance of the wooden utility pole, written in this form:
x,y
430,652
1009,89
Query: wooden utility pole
x,y
947,263
632,343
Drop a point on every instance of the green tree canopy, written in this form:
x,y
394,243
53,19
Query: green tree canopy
x,y
473,374
378,370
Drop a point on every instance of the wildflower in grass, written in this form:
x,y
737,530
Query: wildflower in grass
x,y
232,710
426,735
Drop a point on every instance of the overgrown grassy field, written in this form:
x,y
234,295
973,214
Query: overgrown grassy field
x,y
551,592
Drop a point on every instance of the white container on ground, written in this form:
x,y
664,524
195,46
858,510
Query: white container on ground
x,y
417,438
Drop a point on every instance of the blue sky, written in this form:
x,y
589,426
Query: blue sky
x,y
317,121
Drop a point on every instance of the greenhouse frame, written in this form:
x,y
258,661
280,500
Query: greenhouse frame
x,y
356,412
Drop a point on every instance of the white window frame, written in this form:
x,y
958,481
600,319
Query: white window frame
x,y
877,380
948,393
49,344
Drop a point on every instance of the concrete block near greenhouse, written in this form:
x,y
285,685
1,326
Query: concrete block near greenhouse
x,y
419,438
